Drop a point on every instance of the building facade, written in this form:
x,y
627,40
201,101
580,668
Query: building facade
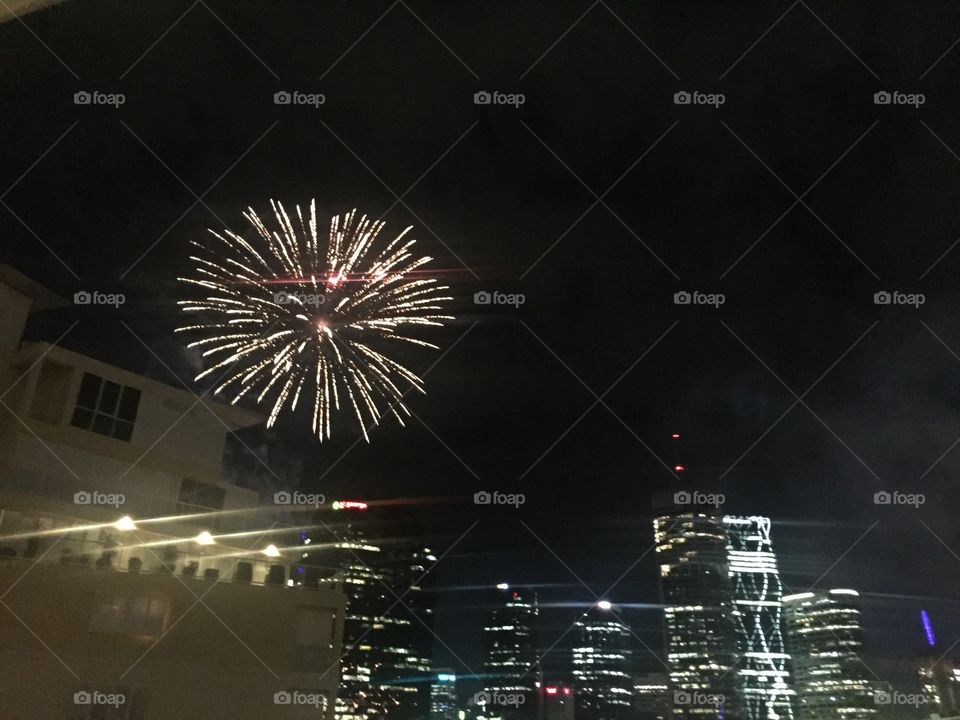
x,y
601,667
511,670
699,629
825,640
763,669
130,568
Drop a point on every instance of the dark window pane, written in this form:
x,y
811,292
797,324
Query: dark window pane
x,y
129,402
81,418
103,424
89,390
123,430
109,397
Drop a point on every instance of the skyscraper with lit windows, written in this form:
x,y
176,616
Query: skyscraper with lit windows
x,y
763,669
511,667
825,640
601,666
699,630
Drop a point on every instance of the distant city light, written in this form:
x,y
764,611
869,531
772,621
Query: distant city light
x,y
566,691
446,677
550,690
348,505
928,628
271,551
125,523
604,605
503,586
204,538
844,591
676,436
679,468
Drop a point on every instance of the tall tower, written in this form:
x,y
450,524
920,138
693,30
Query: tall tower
x,y
511,665
443,696
763,670
601,666
825,640
939,677
699,630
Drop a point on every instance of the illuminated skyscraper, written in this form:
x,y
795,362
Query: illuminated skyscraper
x,y
763,669
601,662
555,701
386,670
443,696
825,640
511,668
651,697
699,630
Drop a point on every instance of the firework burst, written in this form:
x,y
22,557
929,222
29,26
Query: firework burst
x,y
287,316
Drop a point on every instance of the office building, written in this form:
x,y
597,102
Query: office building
x,y
443,695
511,669
763,670
699,629
601,666
825,640
555,701
651,697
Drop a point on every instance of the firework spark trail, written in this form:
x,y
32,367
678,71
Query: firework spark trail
x,y
290,314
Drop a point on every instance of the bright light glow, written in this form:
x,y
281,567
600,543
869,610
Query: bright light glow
x,y
843,591
348,505
679,468
797,596
293,314
125,523
550,690
271,551
446,677
204,538
604,605
676,436
928,628
503,586
566,691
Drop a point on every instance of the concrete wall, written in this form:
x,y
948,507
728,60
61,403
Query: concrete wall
x,y
226,662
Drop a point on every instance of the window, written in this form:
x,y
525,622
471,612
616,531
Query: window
x,y
106,407
195,494
129,615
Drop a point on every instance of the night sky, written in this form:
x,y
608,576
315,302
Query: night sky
x,y
598,199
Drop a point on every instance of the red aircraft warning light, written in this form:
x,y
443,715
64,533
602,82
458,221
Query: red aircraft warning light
x,y
679,468
676,436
